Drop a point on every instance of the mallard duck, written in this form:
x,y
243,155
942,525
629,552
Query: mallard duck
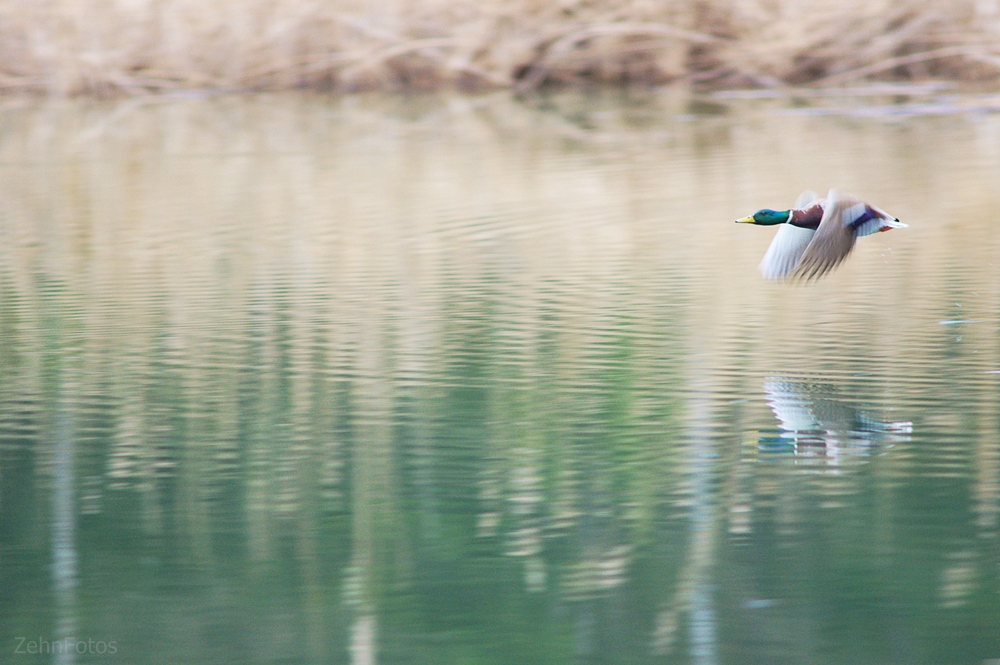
x,y
817,234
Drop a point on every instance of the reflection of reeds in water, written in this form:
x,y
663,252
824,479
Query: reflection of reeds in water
x,y
282,276
271,338
401,331
63,46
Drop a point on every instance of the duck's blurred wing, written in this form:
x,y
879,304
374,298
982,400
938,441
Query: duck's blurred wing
x,y
805,198
834,238
788,244
787,247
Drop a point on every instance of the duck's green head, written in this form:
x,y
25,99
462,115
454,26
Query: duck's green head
x,y
766,217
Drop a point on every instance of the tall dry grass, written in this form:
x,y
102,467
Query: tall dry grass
x,y
77,46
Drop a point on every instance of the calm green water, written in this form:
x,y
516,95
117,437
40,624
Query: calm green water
x,y
291,379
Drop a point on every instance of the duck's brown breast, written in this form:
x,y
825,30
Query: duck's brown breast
x,y
808,217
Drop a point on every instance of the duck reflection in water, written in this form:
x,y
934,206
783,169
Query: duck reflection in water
x,y
817,423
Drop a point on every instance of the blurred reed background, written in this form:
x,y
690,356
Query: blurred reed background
x,y
86,46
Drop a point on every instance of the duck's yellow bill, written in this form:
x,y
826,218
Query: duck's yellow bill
x,y
745,220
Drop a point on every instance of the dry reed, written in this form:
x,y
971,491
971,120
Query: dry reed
x,y
91,46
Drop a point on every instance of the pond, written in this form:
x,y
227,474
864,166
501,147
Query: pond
x,y
479,379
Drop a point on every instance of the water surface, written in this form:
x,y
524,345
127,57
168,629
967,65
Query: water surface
x,y
298,379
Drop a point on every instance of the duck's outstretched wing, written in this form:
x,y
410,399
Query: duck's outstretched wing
x,y
805,198
834,238
788,244
785,251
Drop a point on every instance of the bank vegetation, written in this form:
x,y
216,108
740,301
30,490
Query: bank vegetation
x,y
134,46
